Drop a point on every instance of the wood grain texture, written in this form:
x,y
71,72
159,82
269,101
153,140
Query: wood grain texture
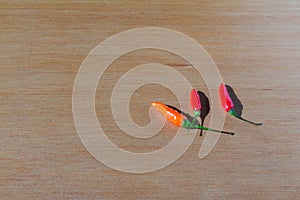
x,y
256,46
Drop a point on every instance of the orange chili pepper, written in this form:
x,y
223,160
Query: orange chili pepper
x,y
179,119
172,115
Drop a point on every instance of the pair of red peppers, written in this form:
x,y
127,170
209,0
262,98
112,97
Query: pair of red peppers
x,y
181,120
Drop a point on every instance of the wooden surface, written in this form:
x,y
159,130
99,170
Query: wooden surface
x,y
256,46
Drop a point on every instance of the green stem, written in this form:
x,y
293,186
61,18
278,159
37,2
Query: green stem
x,y
233,113
214,130
255,123
188,125
196,114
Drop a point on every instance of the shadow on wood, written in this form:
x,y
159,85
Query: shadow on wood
x,y
238,106
188,116
205,108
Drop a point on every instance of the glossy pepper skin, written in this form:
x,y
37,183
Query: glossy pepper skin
x,y
226,101
172,115
228,105
195,102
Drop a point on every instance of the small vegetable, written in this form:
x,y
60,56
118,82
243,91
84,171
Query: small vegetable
x,y
195,103
179,119
228,105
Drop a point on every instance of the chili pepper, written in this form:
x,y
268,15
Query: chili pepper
x,y
196,105
179,119
228,105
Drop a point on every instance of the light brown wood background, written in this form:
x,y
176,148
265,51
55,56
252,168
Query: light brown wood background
x,y
255,44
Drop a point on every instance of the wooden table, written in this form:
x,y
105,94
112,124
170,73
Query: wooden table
x,y
256,46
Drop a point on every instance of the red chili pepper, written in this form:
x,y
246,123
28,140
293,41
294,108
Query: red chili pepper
x,y
195,103
228,105
179,119
226,101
